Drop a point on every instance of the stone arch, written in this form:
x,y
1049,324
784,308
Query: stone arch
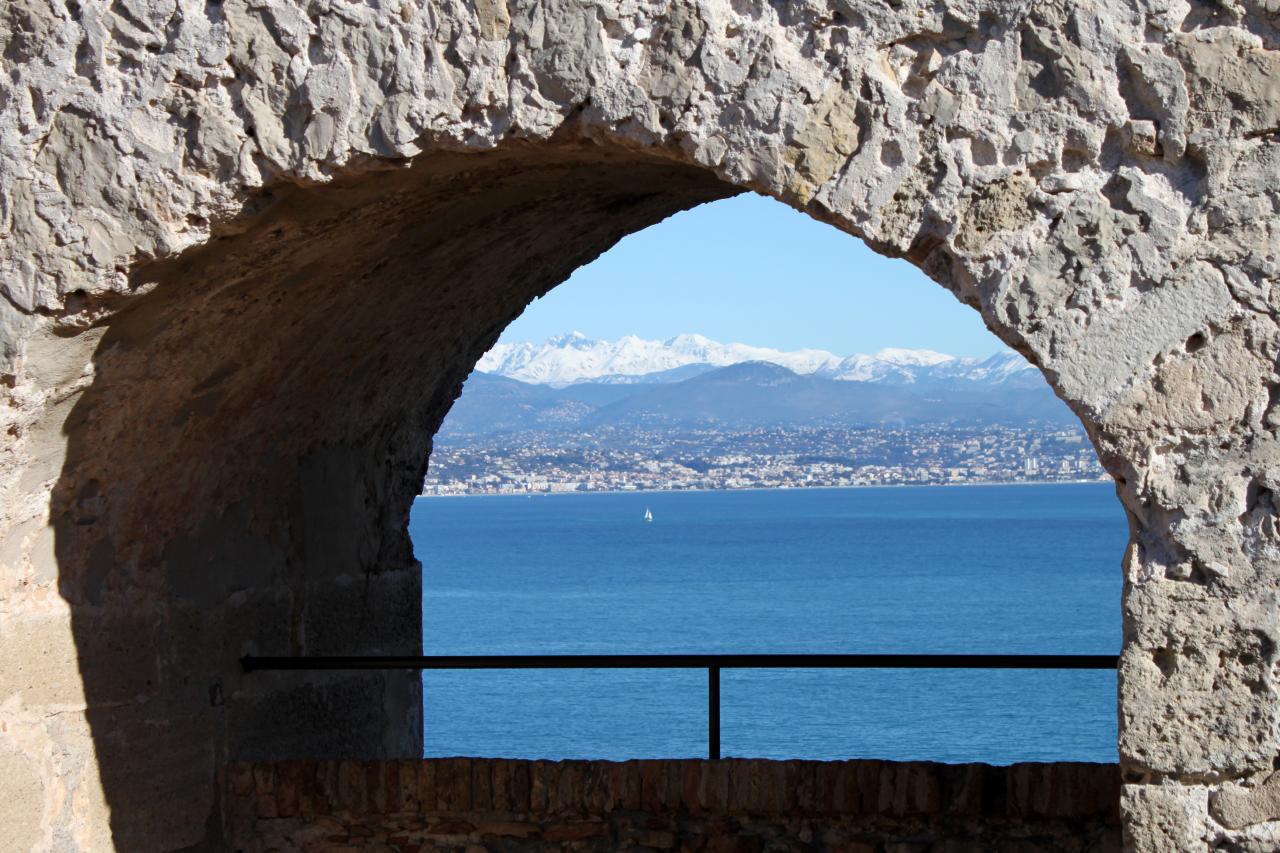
x,y
236,234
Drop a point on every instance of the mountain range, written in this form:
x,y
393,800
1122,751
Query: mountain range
x,y
573,358
572,382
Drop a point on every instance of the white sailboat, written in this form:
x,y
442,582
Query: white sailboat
x,y
648,515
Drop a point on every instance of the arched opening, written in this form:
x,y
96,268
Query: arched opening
x,y
240,469
240,472
559,446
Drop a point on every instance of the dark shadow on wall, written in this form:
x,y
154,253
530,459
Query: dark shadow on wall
x,y
239,475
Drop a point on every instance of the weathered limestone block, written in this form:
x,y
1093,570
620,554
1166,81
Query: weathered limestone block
x,y
1165,817
1236,806
21,808
250,250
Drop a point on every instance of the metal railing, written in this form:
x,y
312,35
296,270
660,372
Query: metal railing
x,y
711,663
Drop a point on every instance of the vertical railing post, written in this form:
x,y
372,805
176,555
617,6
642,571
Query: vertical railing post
x,y
713,713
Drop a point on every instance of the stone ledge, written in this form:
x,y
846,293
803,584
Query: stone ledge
x,y
880,805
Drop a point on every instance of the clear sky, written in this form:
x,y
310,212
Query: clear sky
x,y
752,270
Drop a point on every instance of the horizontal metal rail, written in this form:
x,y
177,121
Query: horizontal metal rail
x,y
252,663
711,663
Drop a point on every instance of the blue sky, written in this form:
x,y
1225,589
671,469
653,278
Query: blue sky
x,y
751,270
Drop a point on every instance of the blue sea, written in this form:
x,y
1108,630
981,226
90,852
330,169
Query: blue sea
x,y
994,569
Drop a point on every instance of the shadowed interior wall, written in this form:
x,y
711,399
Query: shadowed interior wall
x,y
236,483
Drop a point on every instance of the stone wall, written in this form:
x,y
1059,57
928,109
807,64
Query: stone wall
x,y
249,249
692,805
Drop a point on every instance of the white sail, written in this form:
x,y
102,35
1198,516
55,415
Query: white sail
x,y
648,516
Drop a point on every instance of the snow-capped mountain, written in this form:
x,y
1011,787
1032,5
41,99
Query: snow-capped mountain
x,y
574,358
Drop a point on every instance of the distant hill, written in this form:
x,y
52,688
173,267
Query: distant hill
x,y
758,394
491,404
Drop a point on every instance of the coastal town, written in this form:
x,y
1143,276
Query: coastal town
x,y
612,460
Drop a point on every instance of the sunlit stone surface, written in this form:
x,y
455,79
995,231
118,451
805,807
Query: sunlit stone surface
x,y
250,251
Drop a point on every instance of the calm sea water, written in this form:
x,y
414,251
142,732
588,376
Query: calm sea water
x,y
915,569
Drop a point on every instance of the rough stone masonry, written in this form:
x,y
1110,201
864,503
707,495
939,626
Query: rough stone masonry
x,y
732,806
250,249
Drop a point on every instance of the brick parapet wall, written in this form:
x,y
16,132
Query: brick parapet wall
x,y
735,804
